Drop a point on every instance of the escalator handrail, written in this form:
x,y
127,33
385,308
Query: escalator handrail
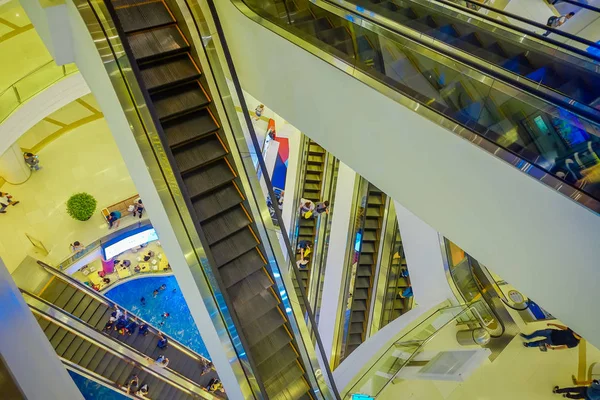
x,y
269,185
483,296
162,137
582,5
567,35
109,303
503,75
108,343
461,129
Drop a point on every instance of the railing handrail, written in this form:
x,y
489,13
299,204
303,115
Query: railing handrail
x,y
527,21
261,161
101,340
465,308
103,299
27,75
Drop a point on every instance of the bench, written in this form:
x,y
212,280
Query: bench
x,y
121,206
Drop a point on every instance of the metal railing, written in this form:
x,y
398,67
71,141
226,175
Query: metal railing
x,y
389,365
31,84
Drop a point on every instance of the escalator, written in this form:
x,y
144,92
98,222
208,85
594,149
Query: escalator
x,y
428,125
396,302
311,190
572,74
200,156
79,301
366,267
102,357
557,136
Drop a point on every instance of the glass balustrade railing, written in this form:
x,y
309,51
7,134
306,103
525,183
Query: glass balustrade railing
x,y
544,134
33,83
99,16
417,340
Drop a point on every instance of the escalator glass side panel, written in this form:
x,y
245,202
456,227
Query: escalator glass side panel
x,y
551,143
162,73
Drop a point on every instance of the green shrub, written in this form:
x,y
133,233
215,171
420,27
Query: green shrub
x,y
81,206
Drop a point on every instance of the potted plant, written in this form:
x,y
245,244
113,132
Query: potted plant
x,y
81,206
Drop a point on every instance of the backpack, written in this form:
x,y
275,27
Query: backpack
x,y
552,21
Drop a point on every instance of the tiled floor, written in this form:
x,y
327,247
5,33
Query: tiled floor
x,y
85,159
518,373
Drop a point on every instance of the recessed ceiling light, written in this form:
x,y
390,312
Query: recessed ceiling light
x,y
17,15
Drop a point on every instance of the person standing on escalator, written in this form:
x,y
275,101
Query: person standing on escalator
x,y
555,22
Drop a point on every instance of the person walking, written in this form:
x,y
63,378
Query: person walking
x,y
555,22
258,112
591,392
306,208
32,161
555,339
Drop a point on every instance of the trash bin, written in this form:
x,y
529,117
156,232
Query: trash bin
x,y
470,337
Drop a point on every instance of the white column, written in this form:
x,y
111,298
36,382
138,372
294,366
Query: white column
x,y
424,259
12,165
26,351
341,227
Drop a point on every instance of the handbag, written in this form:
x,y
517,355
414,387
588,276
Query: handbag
x,y
308,214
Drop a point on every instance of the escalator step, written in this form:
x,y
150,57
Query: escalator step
x,y
65,343
163,41
259,305
171,71
356,328
369,236
251,286
83,306
97,358
359,305
371,224
277,362
376,200
74,301
65,296
355,339
270,345
262,326
362,283
313,177
225,224
283,380
90,311
126,373
53,290
116,371
190,127
201,152
241,267
364,271
366,259
374,211
367,247
209,178
92,354
73,348
217,202
81,352
180,100
112,365
234,246
360,294
144,16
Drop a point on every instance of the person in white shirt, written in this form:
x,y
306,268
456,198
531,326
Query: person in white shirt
x,y
555,22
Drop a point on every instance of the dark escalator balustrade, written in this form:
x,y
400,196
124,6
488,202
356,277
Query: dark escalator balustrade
x,y
200,157
560,143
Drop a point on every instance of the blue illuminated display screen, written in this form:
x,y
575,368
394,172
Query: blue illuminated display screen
x,y
128,241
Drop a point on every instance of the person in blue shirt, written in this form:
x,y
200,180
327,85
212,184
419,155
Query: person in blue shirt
x,y
113,219
555,339
591,392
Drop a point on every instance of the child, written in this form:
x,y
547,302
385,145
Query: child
x,y
258,112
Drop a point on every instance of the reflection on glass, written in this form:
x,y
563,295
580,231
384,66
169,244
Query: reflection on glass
x,y
564,145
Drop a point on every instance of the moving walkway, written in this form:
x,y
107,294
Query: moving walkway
x,y
73,317
157,45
